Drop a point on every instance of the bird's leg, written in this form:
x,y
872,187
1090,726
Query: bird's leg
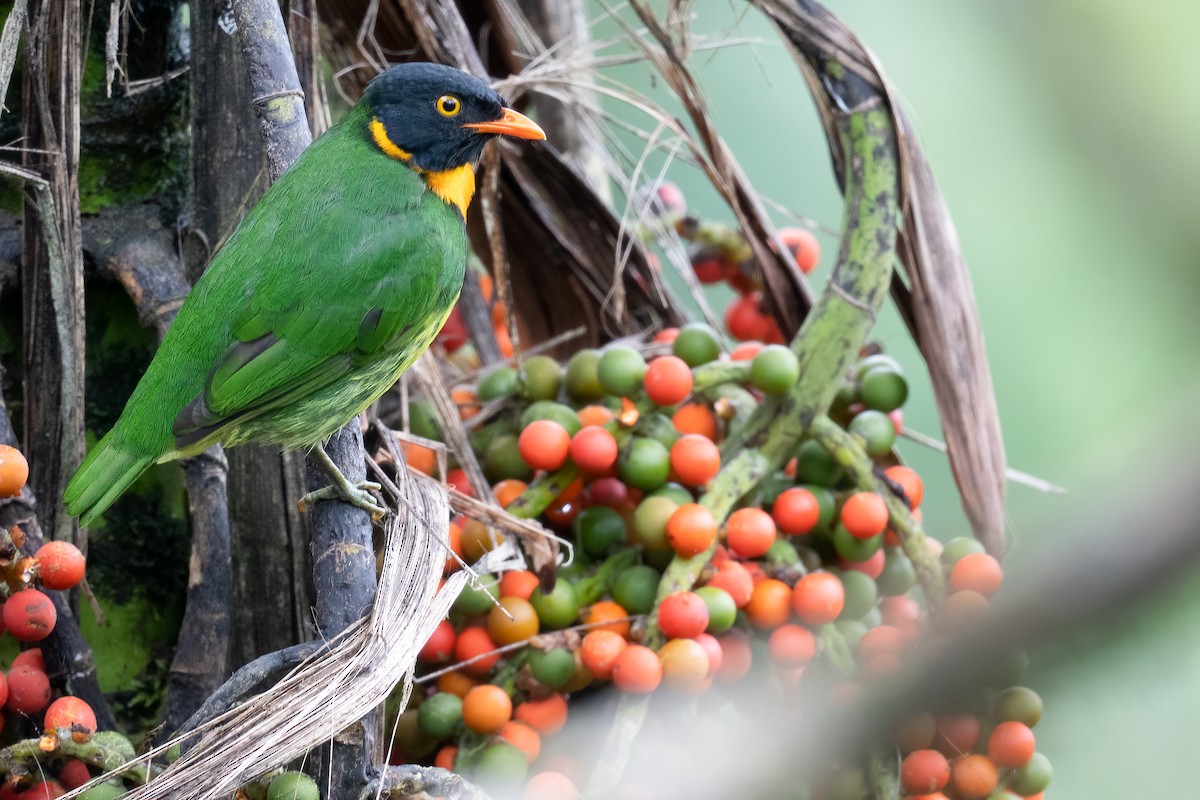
x,y
341,488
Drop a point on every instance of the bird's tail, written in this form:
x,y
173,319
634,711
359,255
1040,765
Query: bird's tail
x,y
106,472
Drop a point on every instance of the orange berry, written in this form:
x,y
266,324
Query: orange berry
x,y
518,583
605,610
14,471
594,415
804,247
956,734
486,708
768,606
749,532
745,351
977,572
456,682
523,625
420,457
467,402
668,380
599,652
695,459
685,663
545,716
691,529
975,777
864,514
682,615
508,490
818,598
550,786
544,444
696,418
637,670
522,737
910,481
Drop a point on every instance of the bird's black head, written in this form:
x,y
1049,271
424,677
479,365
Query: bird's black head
x,y
438,118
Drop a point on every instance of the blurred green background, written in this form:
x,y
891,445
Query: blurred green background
x,y
1064,137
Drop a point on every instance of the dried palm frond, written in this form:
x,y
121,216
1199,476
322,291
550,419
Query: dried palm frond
x,y
329,692
938,302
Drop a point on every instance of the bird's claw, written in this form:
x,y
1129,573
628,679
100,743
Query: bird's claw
x,y
356,494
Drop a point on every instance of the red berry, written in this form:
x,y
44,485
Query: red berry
x,y
544,444
796,511
29,615
864,515
440,645
924,771
1011,745
594,450
668,380
60,565
74,773
28,690
792,646
683,615
71,713
750,532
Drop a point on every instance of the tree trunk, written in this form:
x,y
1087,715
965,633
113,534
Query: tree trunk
x,y
271,594
52,288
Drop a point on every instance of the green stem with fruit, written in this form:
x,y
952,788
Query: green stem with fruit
x,y
826,346
716,373
107,750
848,452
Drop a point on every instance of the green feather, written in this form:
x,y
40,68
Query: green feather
x,y
330,288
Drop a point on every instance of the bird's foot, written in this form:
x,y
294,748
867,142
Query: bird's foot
x,y
357,494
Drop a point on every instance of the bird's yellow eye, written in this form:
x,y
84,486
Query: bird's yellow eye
x,y
448,105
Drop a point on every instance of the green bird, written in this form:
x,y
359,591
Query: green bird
x,y
332,286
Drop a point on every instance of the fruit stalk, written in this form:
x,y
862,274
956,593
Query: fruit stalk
x,y
826,345
858,465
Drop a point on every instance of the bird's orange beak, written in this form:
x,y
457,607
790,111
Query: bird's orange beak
x,y
511,123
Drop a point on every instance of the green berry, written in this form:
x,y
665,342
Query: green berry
x,y
861,594
876,431
644,464
558,609
697,344
814,464
541,378
722,612
498,383
293,786
439,714
555,412
774,370
553,668
883,389
621,370
636,588
583,384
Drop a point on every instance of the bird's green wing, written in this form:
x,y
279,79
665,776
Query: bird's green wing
x,y
302,329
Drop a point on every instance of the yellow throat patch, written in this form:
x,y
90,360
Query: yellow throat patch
x,y
455,186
